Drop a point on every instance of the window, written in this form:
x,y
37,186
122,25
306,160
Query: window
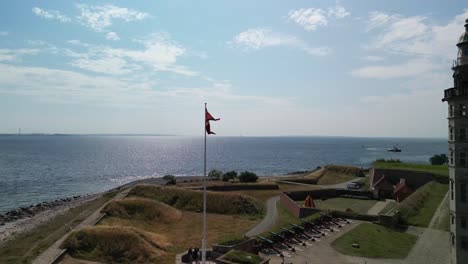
x,y
462,110
451,111
462,158
451,189
453,239
463,242
463,222
453,219
451,157
463,192
462,134
451,132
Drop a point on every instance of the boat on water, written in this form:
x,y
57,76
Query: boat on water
x,y
394,149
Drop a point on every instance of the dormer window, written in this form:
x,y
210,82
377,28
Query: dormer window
x,y
462,110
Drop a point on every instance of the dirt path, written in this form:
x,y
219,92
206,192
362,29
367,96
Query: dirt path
x,y
269,219
54,251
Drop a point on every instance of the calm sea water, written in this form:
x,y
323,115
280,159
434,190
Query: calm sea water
x,y
39,168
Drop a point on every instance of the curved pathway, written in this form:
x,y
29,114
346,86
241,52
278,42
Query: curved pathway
x,y
269,220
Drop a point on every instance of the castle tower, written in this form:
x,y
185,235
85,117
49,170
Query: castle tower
x,y
457,99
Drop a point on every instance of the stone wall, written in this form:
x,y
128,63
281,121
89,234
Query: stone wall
x,y
239,187
247,246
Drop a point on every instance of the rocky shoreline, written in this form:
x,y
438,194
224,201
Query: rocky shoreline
x,y
32,210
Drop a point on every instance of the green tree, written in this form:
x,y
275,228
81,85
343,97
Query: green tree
x,y
230,175
170,179
215,175
248,176
439,159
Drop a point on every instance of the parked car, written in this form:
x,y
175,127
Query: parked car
x,y
354,185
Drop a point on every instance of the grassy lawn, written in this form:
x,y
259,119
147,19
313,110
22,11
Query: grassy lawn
x,y
389,207
443,223
435,169
333,177
418,209
375,241
27,246
242,257
186,232
341,204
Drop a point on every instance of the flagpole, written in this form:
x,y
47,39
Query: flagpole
x,y
204,200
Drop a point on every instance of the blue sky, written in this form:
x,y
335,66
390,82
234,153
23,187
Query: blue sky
x,y
267,68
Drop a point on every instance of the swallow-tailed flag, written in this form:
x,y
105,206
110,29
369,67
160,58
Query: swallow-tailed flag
x,y
208,118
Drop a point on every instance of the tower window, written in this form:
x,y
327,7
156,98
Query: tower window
x,y
463,192
453,219
451,157
462,158
463,222
463,243
451,189
451,132
462,134
451,111
453,239
462,110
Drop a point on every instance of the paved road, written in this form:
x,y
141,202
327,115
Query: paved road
x,y
269,220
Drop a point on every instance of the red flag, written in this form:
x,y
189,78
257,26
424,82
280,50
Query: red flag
x,y
208,118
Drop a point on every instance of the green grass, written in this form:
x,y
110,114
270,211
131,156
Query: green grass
x,y
443,223
338,173
435,169
389,207
232,239
217,202
142,209
343,204
27,246
418,209
375,241
116,245
242,257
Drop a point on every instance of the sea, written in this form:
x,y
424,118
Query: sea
x,y
46,167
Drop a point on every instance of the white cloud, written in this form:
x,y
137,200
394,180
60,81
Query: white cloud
x,y
50,14
408,69
101,17
415,35
15,54
312,18
112,36
309,18
338,12
372,58
160,53
258,38
4,33
62,86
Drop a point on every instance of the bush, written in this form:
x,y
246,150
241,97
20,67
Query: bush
x,y
248,176
215,175
170,179
388,161
228,176
242,257
439,159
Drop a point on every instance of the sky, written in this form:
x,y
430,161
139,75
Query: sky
x,y
266,68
